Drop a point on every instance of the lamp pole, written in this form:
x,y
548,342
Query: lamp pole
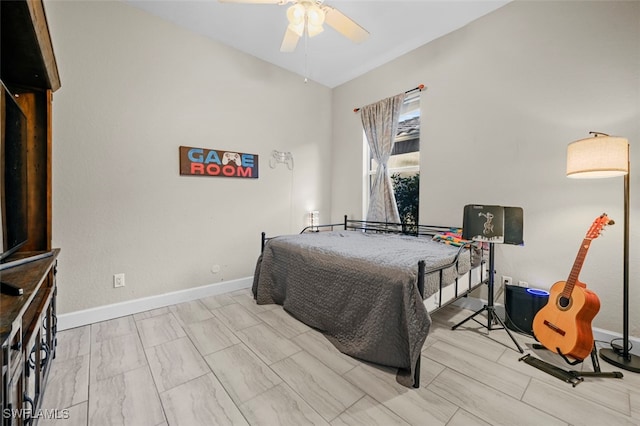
x,y
622,357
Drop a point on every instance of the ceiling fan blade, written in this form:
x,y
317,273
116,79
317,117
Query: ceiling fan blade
x,y
290,41
255,1
344,25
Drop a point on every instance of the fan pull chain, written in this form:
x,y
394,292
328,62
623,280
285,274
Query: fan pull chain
x,y
306,60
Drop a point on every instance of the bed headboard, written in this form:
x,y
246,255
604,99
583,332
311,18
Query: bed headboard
x,y
394,228
368,226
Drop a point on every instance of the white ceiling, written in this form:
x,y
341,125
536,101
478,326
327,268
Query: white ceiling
x,y
396,27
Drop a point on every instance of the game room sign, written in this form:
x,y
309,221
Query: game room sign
x,y
212,162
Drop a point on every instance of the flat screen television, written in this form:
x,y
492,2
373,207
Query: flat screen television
x,y
13,175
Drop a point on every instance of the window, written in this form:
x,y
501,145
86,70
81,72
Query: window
x,y
404,163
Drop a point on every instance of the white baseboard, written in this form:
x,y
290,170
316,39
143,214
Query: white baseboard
x,y
599,334
116,310
130,307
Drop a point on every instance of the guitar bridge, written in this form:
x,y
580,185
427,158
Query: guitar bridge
x,y
555,328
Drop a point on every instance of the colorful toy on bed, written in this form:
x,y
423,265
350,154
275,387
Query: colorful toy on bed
x,y
452,237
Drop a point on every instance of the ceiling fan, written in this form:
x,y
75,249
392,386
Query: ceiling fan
x,y
308,16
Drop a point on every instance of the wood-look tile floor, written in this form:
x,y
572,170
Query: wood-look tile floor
x,y
224,360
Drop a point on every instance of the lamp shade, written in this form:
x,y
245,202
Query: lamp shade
x,y
598,157
295,14
315,19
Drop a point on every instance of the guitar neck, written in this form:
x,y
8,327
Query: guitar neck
x,y
577,267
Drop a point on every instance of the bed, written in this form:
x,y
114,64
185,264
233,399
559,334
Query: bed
x,y
368,286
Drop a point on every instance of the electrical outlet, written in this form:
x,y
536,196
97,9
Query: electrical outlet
x,y
118,280
507,280
523,283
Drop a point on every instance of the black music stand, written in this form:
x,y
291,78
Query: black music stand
x,y
493,225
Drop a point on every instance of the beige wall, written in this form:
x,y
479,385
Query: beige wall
x,y
134,89
506,94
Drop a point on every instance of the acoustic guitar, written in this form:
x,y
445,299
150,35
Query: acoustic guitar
x,y
563,325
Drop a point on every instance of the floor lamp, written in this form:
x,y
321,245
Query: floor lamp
x,y
601,156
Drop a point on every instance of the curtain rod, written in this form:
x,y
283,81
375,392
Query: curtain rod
x,y
419,88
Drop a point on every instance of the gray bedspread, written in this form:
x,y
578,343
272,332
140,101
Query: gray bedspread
x,y
359,289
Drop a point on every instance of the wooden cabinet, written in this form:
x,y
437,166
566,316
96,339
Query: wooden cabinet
x,y
28,337
12,361
28,322
28,69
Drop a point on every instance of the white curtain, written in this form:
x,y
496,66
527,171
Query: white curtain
x,y
380,123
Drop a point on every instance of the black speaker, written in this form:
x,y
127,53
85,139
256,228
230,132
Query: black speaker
x,y
521,304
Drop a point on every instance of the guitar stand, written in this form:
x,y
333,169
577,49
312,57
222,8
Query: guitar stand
x,y
492,317
570,376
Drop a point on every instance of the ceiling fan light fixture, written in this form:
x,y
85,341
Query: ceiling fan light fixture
x,y
315,15
315,20
314,30
307,18
295,14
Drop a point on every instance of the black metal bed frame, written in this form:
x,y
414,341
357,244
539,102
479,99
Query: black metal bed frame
x,y
423,271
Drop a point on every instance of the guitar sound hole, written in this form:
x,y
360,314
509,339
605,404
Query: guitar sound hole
x,y
564,302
